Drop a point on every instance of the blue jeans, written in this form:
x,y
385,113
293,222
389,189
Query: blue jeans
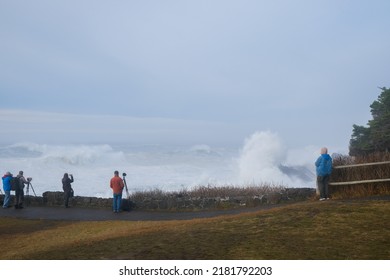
x,y
7,198
116,203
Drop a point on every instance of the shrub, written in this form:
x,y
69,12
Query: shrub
x,y
361,173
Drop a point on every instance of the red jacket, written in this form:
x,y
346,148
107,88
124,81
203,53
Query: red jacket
x,y
116,185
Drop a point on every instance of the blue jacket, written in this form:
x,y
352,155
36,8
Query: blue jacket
x,y
7,182
324,165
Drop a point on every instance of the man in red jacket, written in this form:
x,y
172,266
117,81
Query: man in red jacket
x,y
116,185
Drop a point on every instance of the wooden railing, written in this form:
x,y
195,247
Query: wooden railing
x,y
362,181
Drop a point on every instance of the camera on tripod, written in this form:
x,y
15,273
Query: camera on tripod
x,y
29,179
124,174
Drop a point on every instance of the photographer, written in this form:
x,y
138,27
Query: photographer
x,y
67,187
19,192
116,184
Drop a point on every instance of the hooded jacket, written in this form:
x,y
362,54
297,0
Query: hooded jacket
x,y
324,165
66,183
7,182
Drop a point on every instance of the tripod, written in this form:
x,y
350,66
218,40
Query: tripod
x,y
127,190
28,190
126,205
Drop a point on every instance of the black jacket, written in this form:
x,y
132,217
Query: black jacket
x,y
66,183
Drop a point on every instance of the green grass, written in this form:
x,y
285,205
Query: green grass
x,y
333,229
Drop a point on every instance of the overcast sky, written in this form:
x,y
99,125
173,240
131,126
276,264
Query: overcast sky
x,y
210,71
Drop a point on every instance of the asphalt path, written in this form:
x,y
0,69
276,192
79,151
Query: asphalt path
x,y
93,214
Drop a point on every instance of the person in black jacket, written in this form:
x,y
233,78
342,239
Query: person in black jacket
x,y
67,187
19,192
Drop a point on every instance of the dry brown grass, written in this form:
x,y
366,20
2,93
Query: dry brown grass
x,y
311,230
210,191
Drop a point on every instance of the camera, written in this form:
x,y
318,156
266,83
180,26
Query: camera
x,y
29,179
124,174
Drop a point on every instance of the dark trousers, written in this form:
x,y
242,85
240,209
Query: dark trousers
x,y
323,186
67,195
19,198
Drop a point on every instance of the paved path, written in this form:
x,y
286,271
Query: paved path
x,y
88,214
93,214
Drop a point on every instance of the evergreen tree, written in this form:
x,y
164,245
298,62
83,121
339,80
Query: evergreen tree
x,y
375,137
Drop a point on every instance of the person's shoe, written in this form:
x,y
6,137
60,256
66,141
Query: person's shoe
x,y
322,199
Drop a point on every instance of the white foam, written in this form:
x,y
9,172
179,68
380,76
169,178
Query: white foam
x,y
260,158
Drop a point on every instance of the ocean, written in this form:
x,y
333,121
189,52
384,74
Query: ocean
x,y
261,159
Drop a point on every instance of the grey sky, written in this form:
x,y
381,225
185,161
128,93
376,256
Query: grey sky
x,y
307,70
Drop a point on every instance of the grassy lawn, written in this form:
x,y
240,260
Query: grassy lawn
x,y
309,230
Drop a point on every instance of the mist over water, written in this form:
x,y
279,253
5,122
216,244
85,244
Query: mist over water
x,y
261,159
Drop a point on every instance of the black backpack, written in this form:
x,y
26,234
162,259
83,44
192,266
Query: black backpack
x,y
15,183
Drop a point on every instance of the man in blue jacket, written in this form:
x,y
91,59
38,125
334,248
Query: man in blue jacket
x,y
7,189
323,169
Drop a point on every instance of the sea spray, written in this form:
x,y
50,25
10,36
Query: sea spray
x,y
260,158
